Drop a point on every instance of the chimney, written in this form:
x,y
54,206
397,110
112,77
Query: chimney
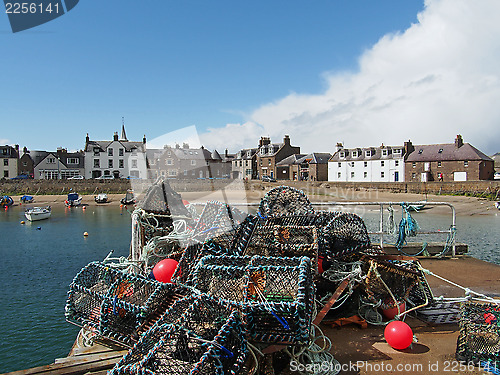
x,y
339,146
459,142
226,153
185,145
87,139
177,146
25,150
286,140
144,139
409,148
115,136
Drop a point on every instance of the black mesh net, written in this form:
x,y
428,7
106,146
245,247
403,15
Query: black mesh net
x,y
284,201
197,335
479,338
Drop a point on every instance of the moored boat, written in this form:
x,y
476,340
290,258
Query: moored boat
x,y
129,198
73,200
101,198
6,201
27,199
38,213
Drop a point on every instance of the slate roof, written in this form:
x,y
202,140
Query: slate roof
x,y
244,151
376,156
446,152
103,145
315,158
292,159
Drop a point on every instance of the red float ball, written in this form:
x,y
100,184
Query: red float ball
x,y
398,335
164,269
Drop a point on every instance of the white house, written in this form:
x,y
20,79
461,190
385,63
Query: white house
x,y
119,158
371,164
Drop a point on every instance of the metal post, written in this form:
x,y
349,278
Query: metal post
x,y
381,225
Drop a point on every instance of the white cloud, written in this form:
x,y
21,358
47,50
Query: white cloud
x,y
4,141
438,78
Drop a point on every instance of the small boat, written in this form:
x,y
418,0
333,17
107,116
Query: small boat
x,y
497,205
6,201
101,198
417,206
37,213
129,198
27,199
73,200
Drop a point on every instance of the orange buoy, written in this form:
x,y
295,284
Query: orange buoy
x,y
85,234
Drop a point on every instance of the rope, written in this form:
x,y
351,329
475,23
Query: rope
x,y
408,227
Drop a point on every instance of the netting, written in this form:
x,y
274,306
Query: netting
x,y
283,201
121,306
197,335
275,294
479,338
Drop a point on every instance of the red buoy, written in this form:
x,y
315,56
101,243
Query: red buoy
x,y
398,335
164,269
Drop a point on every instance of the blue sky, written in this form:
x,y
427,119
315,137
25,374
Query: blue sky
x,y
236,70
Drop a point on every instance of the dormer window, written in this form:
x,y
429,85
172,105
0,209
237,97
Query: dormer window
x,y
344,154
397,151
384,152
440,151
369,153
420,151
354,154
249,154
262,150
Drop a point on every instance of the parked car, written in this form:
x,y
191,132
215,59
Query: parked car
x,y
77,177
268,179
105,177
496,176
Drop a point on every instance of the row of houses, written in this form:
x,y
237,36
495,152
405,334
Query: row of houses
x,y
121,158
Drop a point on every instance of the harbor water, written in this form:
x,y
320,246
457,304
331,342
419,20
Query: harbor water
x,y
40,259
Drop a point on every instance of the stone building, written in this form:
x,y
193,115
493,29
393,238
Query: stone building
x,y
270,154
457,161
9,163
244,165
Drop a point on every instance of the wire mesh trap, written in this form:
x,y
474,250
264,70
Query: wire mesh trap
x,y
275,295
283,201
121,306
197,335
479,338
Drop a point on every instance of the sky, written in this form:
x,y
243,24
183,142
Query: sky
x,y
359,72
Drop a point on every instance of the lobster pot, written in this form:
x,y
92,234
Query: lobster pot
x,y
275,295
400,277
479,338
284,201
133,304
297,241
89,289
198,335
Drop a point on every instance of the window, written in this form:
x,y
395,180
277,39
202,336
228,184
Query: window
x,y
384,152
420,151
439,164
365,175
466,163
72,160
354,154
339,165
120,152
396,163
382,174
262,150
369,153
193,162
134,163
248,172
396,151
352,174
4,151
172,173
241,163
413,175
339,174
365,164
51,160
6,174
5,161
120,163
97,163
169,162
25,163
351,164
110,163
249,154
185,172
382,163
96,151
414,165
440,151
268,161
110,152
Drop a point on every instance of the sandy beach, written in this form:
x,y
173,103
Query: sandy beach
x,y
465,206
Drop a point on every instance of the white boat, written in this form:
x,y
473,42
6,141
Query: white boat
x,y
101,198
73,200
37,213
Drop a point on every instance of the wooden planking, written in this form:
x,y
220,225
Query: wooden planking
x,y
76,365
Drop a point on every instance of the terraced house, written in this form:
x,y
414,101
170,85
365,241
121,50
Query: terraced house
x,y
9,163
270,154
457,161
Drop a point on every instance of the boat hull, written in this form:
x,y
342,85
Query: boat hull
x,y
37,214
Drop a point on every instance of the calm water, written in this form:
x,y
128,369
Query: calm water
x,y
36,269
38,265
